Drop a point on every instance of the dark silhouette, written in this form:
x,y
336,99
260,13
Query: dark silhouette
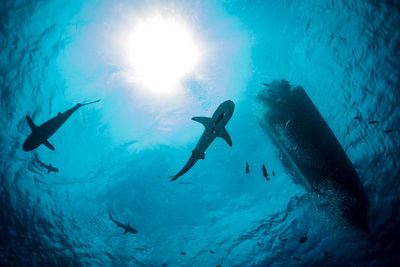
x,y
356,117
273,173
373,122
264,171
183,253
265,84
41,133
259,244
126,227
303,239
283,240
297,259
311,151
212,252
388,131
247,167
48,167
214,127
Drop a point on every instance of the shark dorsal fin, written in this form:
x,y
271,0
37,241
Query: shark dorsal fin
x,y
203,120
31,124
223,133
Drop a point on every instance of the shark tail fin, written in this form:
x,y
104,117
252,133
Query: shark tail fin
x,y
203,120
98,100
31,123
126,231
225,135
173,178
46,143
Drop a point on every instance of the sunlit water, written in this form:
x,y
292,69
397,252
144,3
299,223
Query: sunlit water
x,y
114,156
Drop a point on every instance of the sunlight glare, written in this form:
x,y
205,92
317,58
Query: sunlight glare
x,y
162,53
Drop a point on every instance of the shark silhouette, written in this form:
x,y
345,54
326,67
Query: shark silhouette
x,y
214,127
41,133
126,227
48,167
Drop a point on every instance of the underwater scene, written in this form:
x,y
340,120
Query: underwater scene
x,y
200,133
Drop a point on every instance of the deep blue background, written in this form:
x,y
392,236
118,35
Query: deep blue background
x,y
54,54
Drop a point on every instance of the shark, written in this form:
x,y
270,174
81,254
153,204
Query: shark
x,y
49,167
126,227
214,127
41,134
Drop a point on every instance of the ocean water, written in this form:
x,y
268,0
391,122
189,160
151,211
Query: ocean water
x,y
115,156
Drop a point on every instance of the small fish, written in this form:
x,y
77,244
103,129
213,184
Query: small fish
x,y
373,122
265,84
247,167
356,117
183,253
259,244
297,259
303,239
264,170
388,131
212,252
273,173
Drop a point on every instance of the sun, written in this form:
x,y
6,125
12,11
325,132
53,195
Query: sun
x,y
162,51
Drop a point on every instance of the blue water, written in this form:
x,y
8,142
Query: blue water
x,y
114,156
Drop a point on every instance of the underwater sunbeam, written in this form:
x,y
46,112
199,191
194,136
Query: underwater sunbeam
x,y
162,52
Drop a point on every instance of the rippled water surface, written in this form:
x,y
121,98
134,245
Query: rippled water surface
x,y
114,156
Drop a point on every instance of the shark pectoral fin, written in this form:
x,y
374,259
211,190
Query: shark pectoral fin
x,y
46,143
224,134
48,171
30,122
203,120
126,231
